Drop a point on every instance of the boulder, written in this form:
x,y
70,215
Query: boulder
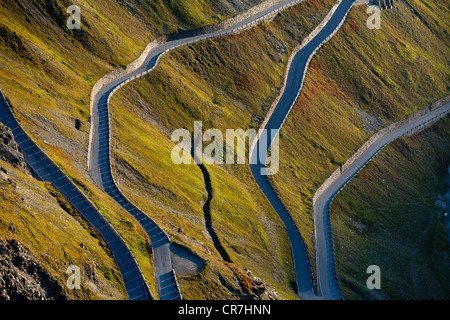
x,y
10,151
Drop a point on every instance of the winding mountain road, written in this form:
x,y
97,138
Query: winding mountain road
x,y
99,159
327,286
99,163
99,166
293,86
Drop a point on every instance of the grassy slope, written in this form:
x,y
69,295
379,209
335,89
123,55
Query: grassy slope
x,y
233,98
226,83
388,73
386,216
392,71
47,72
36,72
54,235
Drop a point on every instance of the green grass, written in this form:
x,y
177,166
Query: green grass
x,y
226,83
212,87
389,72
386,216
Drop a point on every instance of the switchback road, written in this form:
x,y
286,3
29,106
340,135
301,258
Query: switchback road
x,y
99,160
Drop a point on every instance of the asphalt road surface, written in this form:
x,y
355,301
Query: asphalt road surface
x,y
327,286
100,171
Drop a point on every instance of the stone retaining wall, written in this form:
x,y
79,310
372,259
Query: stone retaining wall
x,y
394,126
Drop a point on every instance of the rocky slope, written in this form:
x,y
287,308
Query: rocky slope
x,y
22,277
10,150
41,235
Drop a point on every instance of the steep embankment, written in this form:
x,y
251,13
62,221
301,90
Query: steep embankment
x,y
41,235
21,276
386,216
36,68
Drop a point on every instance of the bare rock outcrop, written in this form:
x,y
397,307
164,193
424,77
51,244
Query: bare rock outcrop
x,y
23,278
10,151
259,290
